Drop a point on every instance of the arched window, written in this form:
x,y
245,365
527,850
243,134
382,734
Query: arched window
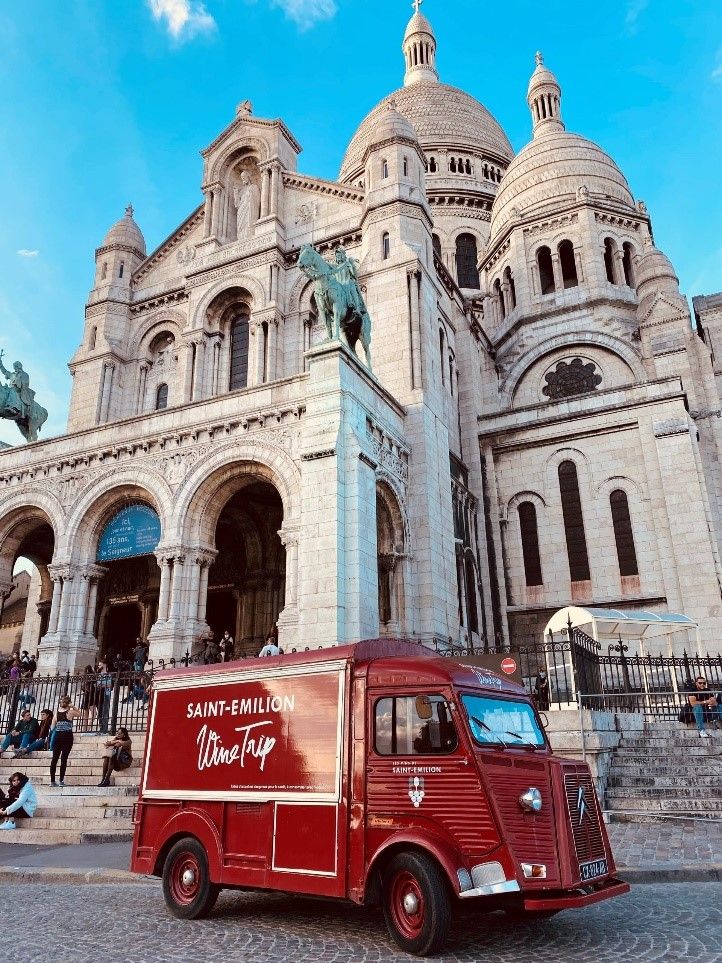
x,y
452,165
546,270
468,167
121,269
432,165
628,264
467,272
610,253
239,353
498,294
486,170
442,356
451,372
384,169
568,264
436,241
512,288
385,245
406,167
623,535
104,273
573,522
161,397
93,337
472,616
530,543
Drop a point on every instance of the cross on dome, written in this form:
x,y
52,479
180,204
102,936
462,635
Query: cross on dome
x,y
417,5
539,59
129,210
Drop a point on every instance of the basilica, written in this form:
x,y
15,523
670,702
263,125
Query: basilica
x,y
536,421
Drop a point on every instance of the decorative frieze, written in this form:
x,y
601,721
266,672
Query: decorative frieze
x,y
670,426
390,453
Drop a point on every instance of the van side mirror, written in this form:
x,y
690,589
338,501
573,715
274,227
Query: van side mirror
x,y
423,707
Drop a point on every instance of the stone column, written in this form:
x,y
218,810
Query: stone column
x,y
207,213
272,348
289,538
506,298
265,189
203,591
579,264
275,182
92,605
557,268
164,562
177,587
81,613
199,368
55,603
618,267
65,601
414,280
142,381
216,215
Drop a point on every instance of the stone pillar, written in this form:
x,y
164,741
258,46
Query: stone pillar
x,y
164,562
579,264
557,268
275,183
618,267
203,591
272,348
177,587
199,369
55,603
65,601
255,355
142,381
289,538
207,213
81,613
92,605
216,215
265,191
414,280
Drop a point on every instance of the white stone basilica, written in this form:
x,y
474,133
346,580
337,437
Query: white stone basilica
x,y
541,426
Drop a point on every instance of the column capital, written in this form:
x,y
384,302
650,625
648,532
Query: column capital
x,y
62,570
289,536
93,572
203,556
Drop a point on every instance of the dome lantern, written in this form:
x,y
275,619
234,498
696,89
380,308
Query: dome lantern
x,y
544,97
419,49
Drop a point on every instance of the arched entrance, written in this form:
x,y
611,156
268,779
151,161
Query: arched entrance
x,y
128,595
391,556
27,541
246,583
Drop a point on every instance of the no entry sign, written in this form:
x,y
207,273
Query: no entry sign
x,y
508,666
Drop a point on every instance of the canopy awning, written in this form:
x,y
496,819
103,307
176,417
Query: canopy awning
x,y
603,624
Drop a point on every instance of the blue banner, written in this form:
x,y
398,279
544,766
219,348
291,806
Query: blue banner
x,y
134,531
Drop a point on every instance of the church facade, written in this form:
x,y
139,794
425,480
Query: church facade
x,y
540,424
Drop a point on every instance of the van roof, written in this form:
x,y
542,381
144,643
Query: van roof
x,y
384,661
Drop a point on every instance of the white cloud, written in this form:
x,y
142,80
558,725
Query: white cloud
x,y
24,252
717,72
635,9
307,13
183,18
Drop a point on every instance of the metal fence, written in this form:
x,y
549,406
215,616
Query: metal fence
x,y
653,706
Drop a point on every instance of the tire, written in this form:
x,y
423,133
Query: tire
x,y
417,906
187,888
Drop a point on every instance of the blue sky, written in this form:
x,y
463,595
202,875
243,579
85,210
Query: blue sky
x,y
102,102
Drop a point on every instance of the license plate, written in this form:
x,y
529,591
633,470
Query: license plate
x,y
597,867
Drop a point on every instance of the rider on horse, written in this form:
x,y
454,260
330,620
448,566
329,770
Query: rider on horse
x,y
19,380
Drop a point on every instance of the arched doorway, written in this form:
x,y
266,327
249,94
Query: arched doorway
x,y
246,583
27,544
391,555
128,595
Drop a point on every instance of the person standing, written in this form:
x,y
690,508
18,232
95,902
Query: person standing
x,y
270,648
140,655
228,646
104,685
63,739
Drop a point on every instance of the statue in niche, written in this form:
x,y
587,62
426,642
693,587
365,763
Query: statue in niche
x,y
246,197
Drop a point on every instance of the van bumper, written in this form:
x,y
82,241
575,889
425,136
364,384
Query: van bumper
x,y
577,898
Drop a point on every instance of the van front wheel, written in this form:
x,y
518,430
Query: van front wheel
x,y
417,907
187,888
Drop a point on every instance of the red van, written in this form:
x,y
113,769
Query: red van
x,y
377,772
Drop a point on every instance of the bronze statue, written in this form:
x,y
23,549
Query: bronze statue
x,y
338,297
17,401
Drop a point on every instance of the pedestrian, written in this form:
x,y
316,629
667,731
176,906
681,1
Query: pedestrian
x,y
704,706
140,655
25,696
213,652
271,647
104,686
15,670
22,733
42,737
228,646
542,694
20,801
63,739
90,694
118,755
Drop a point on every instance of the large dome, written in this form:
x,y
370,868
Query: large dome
x,y
552,167
442,116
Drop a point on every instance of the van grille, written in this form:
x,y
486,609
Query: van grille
x,y
584,816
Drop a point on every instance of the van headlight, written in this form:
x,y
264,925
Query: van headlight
x,y
531,800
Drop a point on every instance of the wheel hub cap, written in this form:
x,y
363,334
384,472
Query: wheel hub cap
x,y
188,878
411,903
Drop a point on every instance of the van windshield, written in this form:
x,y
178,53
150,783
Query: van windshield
x,y
502,722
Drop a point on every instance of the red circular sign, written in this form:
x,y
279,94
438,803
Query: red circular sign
x,y
508,666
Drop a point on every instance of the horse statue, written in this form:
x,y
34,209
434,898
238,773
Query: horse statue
x,y
18,404
338,297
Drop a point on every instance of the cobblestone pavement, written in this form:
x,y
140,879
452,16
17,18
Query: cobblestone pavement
x,y
115,924
667,844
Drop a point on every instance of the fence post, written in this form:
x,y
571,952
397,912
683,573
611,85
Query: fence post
x,y
581,726
114,708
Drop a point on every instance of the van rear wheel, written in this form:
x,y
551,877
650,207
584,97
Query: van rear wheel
x,y
187,888
417,907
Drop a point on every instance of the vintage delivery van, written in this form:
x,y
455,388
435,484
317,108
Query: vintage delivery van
x,y
377,772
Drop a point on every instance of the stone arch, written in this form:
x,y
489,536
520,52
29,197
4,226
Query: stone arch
x,y
152,325
97,503
245,281
627,484
22,514
202,495
391,557
580,339
225,160
525,496
584,470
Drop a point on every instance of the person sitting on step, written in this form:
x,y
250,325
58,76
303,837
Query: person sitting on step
x,y
42,737
20,802
22,733
704,706
117,755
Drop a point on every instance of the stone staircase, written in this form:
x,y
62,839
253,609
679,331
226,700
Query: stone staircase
x,y
666,770
82,812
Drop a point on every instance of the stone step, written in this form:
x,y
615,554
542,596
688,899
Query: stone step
x,y
660,782
83,815
77,752
83,781
60,837
700,747
85,792
677,807
662,742
81,826
688,770
709,793
657,819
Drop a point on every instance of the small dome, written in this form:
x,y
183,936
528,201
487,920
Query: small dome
x,y
418,24
557,166
126,232
655,267
390,124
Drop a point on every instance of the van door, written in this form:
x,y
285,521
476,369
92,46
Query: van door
x,y
420,772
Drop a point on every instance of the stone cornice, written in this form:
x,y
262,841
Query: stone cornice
x,y
348,239
174,296
116,246
249,119
170,242
317,185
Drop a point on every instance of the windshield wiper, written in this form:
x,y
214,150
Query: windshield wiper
x,y
526,745
483,725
